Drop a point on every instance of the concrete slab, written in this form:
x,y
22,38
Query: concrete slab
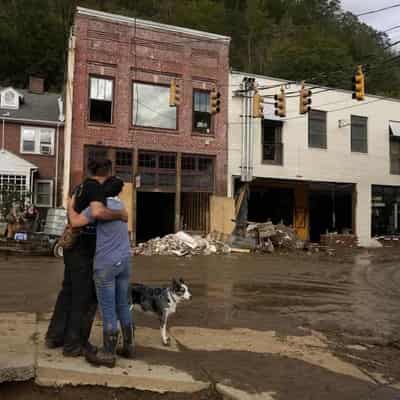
x,y
17,346
230,393
55,370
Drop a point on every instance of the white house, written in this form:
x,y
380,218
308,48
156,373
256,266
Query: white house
x,y
334,169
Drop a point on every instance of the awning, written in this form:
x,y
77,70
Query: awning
x,y
394,128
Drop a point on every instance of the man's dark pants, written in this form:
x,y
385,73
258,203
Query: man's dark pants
x,y
76,304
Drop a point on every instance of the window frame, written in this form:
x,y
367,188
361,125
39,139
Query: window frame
x,y
309,119
9,106
278,142
51,193
148,127
351,133
199,131
107,78
38,130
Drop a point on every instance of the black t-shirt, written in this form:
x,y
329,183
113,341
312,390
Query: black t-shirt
x,y
89,190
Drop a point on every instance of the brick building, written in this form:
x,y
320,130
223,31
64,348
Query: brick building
x,y
171,158
31,154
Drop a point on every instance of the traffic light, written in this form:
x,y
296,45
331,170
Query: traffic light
x,y
258,106
174,94
305,99
215,101
280,103
359,84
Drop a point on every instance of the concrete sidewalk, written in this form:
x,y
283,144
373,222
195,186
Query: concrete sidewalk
x,y
238,363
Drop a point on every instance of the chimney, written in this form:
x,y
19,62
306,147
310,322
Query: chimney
x,y
36,85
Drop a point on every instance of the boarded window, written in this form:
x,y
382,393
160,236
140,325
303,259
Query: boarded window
x,y
317,129
101,100
201,111
359,134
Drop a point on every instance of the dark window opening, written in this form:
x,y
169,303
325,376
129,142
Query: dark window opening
x,y
385,210
197,173
167,161
359,134
317,129
272,142
147,160
188,163
157,170
101,100
201,112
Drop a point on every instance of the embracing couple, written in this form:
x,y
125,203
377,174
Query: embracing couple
x,y
97,262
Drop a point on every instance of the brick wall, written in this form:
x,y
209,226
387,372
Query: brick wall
x,y
46,164
109,49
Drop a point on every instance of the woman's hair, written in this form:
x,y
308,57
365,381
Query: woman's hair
x,y
113,186
100,167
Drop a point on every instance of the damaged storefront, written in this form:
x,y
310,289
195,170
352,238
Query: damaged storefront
x,y
313,209
164,191
385,210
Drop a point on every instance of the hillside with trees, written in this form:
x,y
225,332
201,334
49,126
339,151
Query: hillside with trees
x,y
314,40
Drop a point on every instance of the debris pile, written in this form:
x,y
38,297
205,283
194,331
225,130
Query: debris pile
x,y
270,236
181,244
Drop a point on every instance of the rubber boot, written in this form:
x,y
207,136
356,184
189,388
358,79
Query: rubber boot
x,y
105,356
128,348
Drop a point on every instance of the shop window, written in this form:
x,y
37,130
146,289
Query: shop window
x,y
359,134
123,164
151,107
101,100
317,129
201,112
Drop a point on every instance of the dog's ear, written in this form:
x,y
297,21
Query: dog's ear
x,y
181,281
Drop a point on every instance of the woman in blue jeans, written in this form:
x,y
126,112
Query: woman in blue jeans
x,y
111,273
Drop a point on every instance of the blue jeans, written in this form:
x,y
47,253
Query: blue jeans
x,y
112,285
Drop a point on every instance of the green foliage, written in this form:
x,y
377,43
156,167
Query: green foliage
x,y
293,39
9,198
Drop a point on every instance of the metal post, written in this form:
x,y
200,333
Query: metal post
x,y
178,192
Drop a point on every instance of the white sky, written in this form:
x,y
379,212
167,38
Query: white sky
x,y
382,20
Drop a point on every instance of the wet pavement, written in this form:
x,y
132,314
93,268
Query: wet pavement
x,y
353,301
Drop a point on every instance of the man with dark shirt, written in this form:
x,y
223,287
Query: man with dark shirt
x,y
76,303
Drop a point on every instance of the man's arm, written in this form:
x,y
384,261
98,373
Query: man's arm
x,y
76,220
99,211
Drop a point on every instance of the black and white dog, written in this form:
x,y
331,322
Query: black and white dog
x,y
159,301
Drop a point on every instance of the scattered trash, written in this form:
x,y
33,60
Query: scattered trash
x,y
182,244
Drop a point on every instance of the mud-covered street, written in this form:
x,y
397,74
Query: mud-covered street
x,y
349,304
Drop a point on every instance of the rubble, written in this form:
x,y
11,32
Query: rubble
x,y
182,244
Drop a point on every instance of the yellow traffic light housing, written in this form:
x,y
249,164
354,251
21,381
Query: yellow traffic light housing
x,y
258,106
174,94
215,101
359,84
305,99
280,104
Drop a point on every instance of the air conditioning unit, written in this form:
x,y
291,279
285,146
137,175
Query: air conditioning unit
x,y
45,149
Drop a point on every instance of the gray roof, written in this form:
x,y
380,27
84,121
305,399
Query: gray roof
x,y
35,107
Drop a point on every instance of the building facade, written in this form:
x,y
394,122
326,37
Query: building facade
x,y
31,154
334,169
171,158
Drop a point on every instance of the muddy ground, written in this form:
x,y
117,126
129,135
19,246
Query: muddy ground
x,y
353,298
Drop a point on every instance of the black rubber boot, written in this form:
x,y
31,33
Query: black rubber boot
x,y
128,348
105,356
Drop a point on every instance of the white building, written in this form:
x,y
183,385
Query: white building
x,y
336,168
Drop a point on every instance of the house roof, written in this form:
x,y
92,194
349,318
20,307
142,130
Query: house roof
x,y
34,108
11,163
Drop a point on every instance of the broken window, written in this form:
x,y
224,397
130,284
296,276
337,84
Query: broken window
x,y
201,112
101,100
151,106
317,129
359,134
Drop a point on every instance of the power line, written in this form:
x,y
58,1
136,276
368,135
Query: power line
x,y
391,29
378,10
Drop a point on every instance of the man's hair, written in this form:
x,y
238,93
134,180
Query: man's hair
x,y
100,167
113,186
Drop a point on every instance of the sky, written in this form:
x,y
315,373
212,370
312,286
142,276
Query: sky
x,y
380,21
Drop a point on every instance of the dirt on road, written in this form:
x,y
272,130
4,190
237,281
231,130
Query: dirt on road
x,y
353,299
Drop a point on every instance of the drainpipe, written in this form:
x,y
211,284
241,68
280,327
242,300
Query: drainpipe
x,y
56,169
69,92
3,137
